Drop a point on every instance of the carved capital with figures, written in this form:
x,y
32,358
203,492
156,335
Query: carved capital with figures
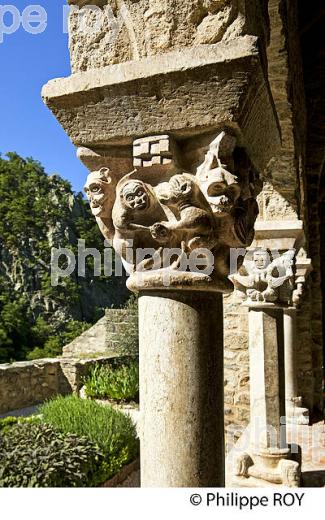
x,y
266,277
178,214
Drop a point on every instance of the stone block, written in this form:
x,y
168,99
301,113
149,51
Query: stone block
x,y
186,93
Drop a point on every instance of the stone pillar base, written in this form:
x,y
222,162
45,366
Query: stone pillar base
x,y
271,467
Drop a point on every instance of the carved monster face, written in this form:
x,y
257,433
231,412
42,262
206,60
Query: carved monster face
x,y
135,196
99,192
178,189
261,259
221,189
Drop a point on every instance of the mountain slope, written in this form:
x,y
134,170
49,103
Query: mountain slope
x,y
38,212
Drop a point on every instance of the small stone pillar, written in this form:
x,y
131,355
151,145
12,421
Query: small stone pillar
x,y
181,389
295,412
266,287
283,236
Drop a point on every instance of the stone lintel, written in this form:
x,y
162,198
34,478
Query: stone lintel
x,y
303,269
279,234
185,93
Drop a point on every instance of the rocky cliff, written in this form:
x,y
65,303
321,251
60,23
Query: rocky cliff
x,y
39,212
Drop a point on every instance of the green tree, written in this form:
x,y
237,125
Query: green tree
x,y
38,212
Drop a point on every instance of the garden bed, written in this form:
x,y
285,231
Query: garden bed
x,y
129,476
72,443
117,387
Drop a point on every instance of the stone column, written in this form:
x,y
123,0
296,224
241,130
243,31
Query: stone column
x,y
280,236
181,389
295,413
174,119
180,304
265,286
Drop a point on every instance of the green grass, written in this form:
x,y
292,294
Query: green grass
x,y
108,429
119,383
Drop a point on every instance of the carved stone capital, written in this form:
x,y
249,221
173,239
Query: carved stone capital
x,y
178,214
266,279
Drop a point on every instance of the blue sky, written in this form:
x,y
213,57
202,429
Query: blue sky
x,y
27,62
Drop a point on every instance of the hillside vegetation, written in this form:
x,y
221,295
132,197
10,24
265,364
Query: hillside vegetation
x,y
38,212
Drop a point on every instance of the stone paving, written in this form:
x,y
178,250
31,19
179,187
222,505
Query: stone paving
x,y
311,439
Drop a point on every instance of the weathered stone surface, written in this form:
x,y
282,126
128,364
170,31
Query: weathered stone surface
x,y
295,413
119,31
267,458
199,90
158,227
181,388
92,340
103,337
29,383
283,199
266,279
274,206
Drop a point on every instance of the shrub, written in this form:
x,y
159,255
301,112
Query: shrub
x,y
36,455
121,383
53,341
7,422
110,430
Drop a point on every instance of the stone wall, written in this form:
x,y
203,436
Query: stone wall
x,y
313,53
103,338
236,360
283,199
118,323
29,383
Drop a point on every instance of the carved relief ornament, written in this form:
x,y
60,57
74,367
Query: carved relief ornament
x,y
213,209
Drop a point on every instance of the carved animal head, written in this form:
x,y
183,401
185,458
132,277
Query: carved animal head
x,y
99,192
291,473
220,187
136,202
135,195
284,264
180,189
